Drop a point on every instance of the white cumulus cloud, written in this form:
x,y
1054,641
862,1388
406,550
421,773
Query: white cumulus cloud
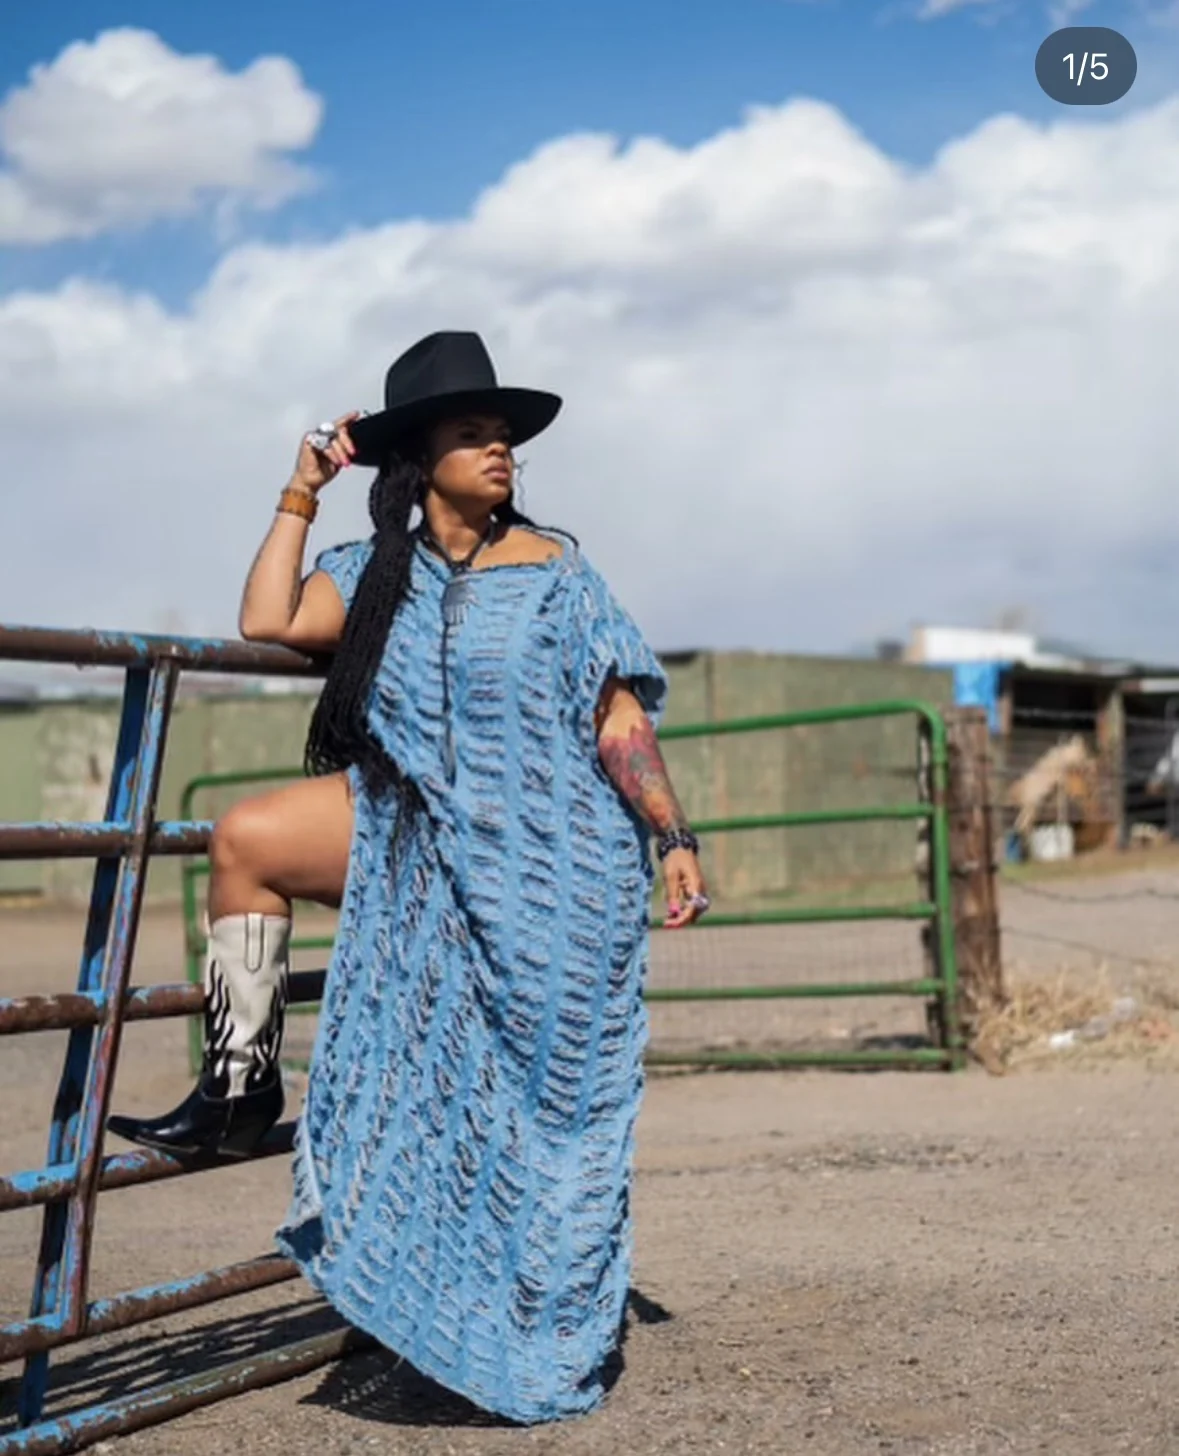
x,y
120,131
812,393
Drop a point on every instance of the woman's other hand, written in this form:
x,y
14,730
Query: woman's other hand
x,y
683,883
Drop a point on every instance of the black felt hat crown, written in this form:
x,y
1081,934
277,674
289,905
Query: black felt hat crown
x,y
442,376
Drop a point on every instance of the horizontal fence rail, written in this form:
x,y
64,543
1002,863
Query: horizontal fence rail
x,y
141,1003
97,840
56,1181
48,645
93,1015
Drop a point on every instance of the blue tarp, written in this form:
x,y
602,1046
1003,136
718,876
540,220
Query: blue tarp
x,y
976,685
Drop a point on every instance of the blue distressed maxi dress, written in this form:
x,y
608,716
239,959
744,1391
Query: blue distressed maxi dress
x,y
462,1164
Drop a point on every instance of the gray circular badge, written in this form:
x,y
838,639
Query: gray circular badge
x,y
1086,65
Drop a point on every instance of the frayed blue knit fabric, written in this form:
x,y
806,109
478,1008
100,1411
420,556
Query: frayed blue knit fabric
x,y
463,1161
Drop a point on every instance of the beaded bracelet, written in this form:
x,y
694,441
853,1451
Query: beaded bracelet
x,y
676,839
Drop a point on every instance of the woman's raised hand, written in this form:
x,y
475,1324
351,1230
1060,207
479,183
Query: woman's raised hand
x,y
314,468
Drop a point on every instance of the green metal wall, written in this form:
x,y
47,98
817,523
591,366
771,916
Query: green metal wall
x,y
839,765
20,790
55,758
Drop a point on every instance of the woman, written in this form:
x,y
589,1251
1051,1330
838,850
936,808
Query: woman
x,y
487,776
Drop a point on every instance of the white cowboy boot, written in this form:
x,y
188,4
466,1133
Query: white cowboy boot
x,y
239,1097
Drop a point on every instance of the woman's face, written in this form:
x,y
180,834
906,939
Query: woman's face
x,y
471,461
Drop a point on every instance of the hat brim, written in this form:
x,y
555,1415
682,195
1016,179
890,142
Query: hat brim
x,y
526,411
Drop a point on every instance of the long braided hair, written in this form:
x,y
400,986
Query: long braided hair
x,y
339,736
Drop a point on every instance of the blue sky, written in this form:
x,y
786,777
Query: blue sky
x,y
428,104
829,274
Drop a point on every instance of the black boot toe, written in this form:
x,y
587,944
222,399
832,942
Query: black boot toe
x,y
204,1124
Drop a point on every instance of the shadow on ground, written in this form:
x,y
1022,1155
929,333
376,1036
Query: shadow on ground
x,y
105,1370
372,1384
375,1385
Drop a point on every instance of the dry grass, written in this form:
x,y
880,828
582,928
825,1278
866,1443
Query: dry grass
x,y
1097,1018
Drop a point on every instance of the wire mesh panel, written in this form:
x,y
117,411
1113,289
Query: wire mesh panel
x,y
824,844
774,961
813,768
1150,791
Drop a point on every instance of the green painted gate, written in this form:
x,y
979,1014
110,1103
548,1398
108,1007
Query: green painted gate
x,y
924,809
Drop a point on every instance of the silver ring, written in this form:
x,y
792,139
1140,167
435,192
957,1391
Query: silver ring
x,y
700,902
322,436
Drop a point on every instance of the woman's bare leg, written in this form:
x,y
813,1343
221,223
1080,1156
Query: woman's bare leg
x,y
291,844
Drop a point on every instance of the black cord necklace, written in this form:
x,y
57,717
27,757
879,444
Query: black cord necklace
x,y
456,597
458,592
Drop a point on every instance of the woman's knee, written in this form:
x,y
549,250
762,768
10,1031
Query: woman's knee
x,y
293,842
240,838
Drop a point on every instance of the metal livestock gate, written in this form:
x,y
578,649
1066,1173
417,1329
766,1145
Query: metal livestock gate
x,y
938,987
68,1185
76,1171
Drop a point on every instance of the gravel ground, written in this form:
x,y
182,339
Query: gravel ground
x,y
830,1263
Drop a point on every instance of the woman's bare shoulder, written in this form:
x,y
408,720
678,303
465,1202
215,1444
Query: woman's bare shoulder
x,y
524,546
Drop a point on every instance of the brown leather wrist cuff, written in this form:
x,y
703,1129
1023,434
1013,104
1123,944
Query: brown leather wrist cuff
x,y
298,503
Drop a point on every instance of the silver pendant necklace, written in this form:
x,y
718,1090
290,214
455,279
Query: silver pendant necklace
x,y
458,592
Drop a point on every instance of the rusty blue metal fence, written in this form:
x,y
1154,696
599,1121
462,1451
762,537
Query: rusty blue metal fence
x,y
75,1170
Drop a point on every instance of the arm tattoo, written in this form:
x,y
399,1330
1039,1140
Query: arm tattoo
x,y
632,759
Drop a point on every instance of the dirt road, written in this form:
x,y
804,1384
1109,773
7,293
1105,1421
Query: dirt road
x,y
830,1263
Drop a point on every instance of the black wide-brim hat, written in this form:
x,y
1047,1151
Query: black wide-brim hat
x,y
445,376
